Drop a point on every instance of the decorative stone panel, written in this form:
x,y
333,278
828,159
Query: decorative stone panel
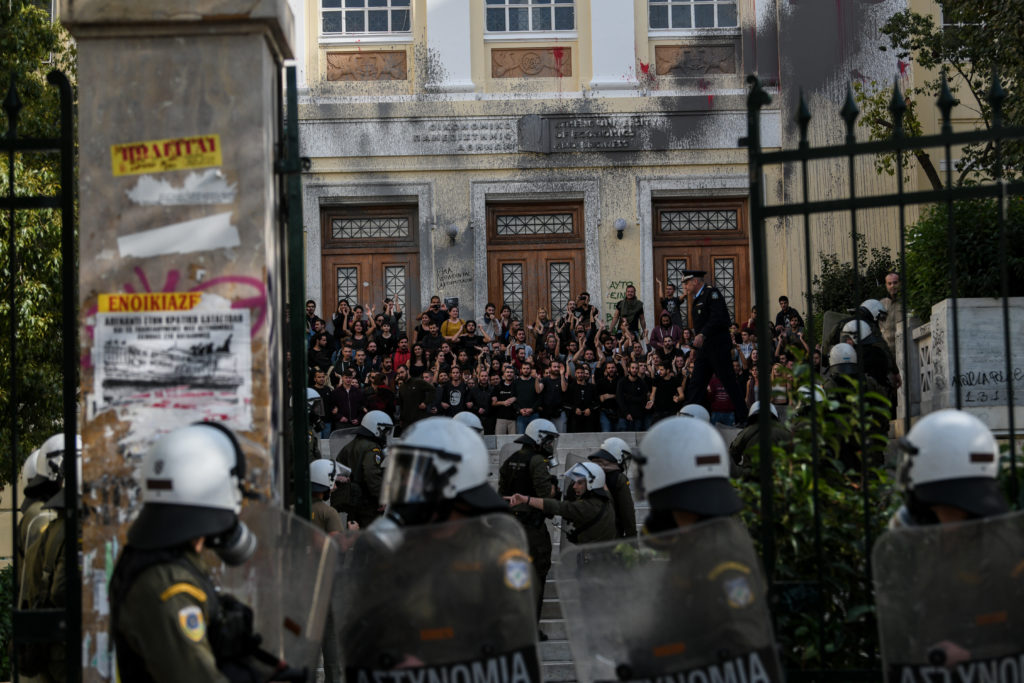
x,y
545,62
383,65
684,61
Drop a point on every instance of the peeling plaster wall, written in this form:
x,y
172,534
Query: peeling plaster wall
x,y
178,249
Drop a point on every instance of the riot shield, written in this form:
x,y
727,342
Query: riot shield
x,y
442,601
689,604
287,583
950,601
339,439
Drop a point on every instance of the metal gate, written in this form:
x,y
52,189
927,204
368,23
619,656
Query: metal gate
x,y
811,614
63,624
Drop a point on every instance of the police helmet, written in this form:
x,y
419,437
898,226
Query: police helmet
x,y
378,425
951,458
755,408
471,421
843,357
315,402
875,309
541,433
614,450
50,459
437,460
324,473
695,410
588,472
857,329
685,466
191,483
28,471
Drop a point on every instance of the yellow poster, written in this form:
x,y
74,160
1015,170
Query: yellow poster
x,y
149,302
173,154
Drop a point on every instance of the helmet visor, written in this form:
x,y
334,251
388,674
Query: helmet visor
x,y
410,478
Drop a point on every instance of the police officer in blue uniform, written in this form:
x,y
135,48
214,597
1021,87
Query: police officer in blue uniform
x,y
711,336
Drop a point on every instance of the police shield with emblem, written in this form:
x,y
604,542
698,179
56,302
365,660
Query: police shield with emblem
x,y
950,601
949,576
689,604
287,583
439,602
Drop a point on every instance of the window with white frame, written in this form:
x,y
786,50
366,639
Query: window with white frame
x,y
364,17
687,14
507,16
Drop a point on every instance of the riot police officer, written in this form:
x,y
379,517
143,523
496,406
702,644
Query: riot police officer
x,y
364,455
323,477
590,516
441,584
168,620
688,602
526,472
746,443
44,582
948,575
613,457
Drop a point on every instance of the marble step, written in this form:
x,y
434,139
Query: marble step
x,y
560,672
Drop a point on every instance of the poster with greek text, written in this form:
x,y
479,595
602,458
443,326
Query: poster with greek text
x,y
168,359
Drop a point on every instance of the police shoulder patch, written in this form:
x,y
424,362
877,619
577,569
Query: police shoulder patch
x,y
192,624
378,457
738,592
715,294
518,571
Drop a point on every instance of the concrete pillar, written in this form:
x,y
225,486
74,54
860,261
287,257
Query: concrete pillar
x,y
180,248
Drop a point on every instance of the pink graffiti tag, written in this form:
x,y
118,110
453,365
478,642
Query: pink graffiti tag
x,y
258,302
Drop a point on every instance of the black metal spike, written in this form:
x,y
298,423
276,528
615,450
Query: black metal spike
x,y
996,97
849,112
803,117
898,108
946,102
758,97
12,105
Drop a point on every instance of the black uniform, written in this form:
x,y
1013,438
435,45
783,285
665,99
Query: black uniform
x,y
711,319
526,472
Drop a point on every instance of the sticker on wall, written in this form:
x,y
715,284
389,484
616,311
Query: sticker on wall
x,y
199,234
168,359
207,187
172,154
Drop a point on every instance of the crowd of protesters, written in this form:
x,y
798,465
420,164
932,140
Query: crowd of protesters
x,y
570,367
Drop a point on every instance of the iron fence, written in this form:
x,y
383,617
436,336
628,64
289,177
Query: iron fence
x,y
63,624
812,593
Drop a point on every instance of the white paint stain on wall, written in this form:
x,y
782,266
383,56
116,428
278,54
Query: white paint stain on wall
x,y
207,187
201,234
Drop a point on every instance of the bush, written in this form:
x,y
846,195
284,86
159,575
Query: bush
x,y
977,253
849,637
836,286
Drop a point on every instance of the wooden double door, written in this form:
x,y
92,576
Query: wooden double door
x,y
709,235
371,254
535,257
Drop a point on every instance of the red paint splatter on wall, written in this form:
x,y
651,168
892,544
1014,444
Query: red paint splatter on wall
x,y
559,54
645,68
903,67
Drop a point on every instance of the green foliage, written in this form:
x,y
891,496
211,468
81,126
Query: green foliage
x,y
848,638
978,36
874,99
30,46
836,287
7,588
976,255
